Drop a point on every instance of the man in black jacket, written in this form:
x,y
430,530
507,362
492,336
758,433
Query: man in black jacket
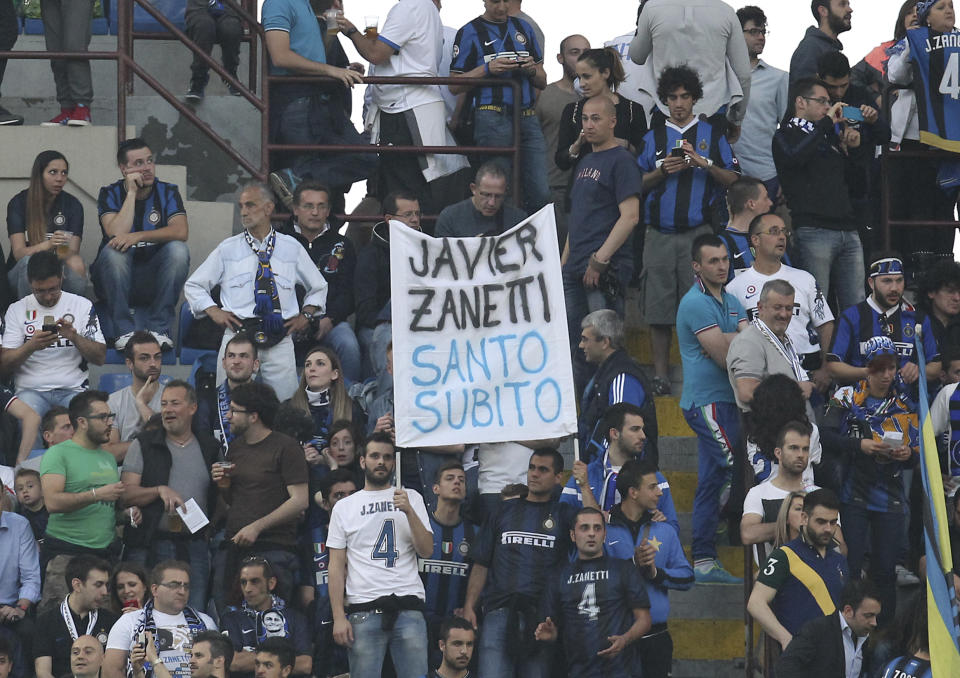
x,y
336,259
618,379
164,469
833,18
835,646
816,151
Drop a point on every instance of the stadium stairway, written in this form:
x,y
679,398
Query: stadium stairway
x,y
706,622
91,152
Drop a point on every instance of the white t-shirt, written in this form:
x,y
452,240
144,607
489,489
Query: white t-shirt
x,y
413,29
58,366
173,632
381,558
768,469
764,500
502,464
810,309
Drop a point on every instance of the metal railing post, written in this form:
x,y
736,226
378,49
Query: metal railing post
x,y
123,29
517,184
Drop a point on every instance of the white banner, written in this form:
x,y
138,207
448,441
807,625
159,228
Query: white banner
x,y
480,348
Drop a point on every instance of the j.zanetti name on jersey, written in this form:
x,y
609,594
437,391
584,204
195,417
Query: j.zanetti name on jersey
x,y
595,575
943,41
444,567
376,507
528,539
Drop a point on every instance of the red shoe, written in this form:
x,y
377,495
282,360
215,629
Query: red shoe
x,y
79,116
61,119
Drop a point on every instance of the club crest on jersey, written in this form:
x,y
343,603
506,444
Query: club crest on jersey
x,y
154,217
456,51
521,38
703,144
908,330
102,637
464,547
548,524
59,220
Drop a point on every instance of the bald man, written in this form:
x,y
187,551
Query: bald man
x,y
86,657
605,208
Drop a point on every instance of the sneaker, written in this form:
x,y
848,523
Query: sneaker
x,y
661,387
120,342
714,573
195,93
905,577
61,119
284,183
79,116
8,118
234,91
166,343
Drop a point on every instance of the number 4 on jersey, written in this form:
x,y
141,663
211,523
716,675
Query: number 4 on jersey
x,y
950,83
588,603
386,547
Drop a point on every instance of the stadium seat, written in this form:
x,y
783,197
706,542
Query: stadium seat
x,y
115,357
174,10
187,354
114,381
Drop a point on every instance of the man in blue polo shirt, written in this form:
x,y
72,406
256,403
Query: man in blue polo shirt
x,y
501,46
309,113
884,313
708,319
144,253
803,579
686,165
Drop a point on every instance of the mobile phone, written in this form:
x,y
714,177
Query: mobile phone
x,y
676,152
142,639
49,324
852,113
893,438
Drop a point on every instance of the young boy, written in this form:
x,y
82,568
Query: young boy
x,y
30,496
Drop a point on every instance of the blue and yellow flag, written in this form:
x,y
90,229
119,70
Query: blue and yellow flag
x,y
942,622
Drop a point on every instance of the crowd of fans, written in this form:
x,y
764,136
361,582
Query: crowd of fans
x,y
262,502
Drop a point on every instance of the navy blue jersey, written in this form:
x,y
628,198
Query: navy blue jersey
x,y
246,629
446,571
520,543
908,667
859,323
151,213
682,201
937,59
482,41
589,601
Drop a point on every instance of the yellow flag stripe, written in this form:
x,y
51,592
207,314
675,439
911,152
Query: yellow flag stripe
x,y
807,576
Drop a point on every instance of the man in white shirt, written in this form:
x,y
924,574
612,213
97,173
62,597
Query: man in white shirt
x,y
136,403
811,327
48,338
375,537
410,43
257,271
172,623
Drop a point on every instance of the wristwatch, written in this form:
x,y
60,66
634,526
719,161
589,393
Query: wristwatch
x,y
310,315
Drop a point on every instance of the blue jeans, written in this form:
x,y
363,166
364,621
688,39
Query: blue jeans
x,y
41,401
196,552
717,426
342,340
407,643
496,129
122,280
494,660
832,258
884,533
310,120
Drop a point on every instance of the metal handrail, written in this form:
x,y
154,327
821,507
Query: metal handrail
x,y
127,68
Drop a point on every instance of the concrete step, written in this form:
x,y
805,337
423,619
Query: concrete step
x,y
707,602
683,485
678,453
670,421
707,639
638,345
698,668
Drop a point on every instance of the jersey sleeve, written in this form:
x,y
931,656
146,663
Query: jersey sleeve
x,y
276,16
940,410
399,27
752,503
107,202
16,216
726,158
336,536
665,504
571,494
776,570
465,51
173,203
930,350
843,339
13,335
647,159
626,388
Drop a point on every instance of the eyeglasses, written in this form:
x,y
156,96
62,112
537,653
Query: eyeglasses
x,y
776,231
175,585
410,213
106,416
234,410
823,101
258,560
756,32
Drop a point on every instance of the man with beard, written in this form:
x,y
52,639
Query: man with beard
x,y
376,593
600,604
136,403
262,615
83,611
457,640
240,362
81,485
162,471
833,18
884,313
803,579
210,656
267,477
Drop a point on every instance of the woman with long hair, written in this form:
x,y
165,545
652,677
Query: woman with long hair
x,y
324,396
788,519
45,217
129,587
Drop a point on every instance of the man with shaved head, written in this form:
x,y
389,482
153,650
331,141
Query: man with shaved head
x,y
86,657
605,208
257,271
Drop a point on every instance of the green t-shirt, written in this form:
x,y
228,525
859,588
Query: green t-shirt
x,y
92,526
